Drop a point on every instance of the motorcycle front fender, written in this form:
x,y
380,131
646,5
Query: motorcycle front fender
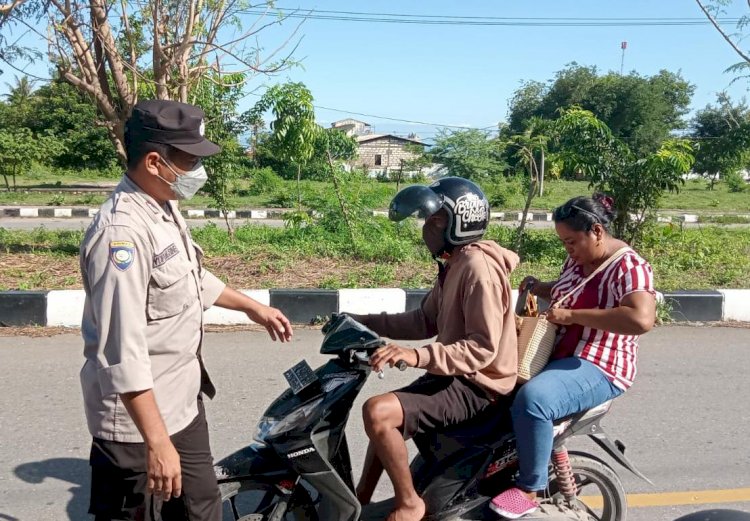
x,y
258,462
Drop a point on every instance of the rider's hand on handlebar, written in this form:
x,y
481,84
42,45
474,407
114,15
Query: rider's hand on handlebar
x,y
390,355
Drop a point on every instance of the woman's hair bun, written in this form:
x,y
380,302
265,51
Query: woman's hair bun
x,y
608,204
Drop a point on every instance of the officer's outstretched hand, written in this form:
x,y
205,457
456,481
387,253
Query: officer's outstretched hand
x,y
277,325
272,319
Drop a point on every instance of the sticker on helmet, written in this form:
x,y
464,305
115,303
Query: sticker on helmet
x,y
122,253
470,209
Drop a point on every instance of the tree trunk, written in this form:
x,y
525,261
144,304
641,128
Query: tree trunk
x,y
400,176
7,186
541,175
529,197
342,203
299,187
714,178
230,230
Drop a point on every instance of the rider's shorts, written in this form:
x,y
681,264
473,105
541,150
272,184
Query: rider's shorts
x,y
432,402
118,479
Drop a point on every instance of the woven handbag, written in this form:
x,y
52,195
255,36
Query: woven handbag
x,y
536,334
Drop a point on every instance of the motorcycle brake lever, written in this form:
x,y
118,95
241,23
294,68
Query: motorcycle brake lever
x,y
401,365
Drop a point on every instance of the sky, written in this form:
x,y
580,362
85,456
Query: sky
x,y
465,75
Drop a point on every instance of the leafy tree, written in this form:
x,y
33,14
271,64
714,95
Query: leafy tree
x,y
113,51
219,98
64,112
721,133
641,110
294,131
19,148
472,154
636,183
414,166
343,148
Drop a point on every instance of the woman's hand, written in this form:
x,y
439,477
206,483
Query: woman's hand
x,y
561,317
391,355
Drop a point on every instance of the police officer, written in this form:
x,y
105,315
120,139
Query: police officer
x,y
146,290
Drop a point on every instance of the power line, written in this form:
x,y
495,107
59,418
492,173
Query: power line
x,y
388,118
422,19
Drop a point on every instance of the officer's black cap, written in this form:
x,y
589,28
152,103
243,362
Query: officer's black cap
x,y
170,123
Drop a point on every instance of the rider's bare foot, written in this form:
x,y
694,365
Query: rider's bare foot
x,y
414,511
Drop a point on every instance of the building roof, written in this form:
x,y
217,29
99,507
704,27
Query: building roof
x,y
366,138
347,121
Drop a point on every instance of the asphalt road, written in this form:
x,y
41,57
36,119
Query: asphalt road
x,y
685,422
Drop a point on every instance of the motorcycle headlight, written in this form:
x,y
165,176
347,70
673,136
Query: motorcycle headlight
x,y
269,427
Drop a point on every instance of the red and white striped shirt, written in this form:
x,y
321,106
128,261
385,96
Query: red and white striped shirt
x,y
614,354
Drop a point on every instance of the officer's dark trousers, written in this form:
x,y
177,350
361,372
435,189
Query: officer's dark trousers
x,y
118,479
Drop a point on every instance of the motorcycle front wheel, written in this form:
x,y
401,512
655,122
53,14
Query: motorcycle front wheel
x,y
249,500
600,493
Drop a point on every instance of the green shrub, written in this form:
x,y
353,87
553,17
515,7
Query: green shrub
x,y
735,182
264,181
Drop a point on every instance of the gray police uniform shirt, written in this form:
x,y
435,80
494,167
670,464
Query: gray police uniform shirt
x,y
142,326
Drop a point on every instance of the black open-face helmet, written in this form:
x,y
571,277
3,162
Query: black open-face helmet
x,y
467,207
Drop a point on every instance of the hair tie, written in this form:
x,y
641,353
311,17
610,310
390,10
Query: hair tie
x,y
606,201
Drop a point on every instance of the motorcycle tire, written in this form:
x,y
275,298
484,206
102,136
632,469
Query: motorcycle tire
x,y
273,506
610,504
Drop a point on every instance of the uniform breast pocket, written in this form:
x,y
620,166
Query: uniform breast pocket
x,y
171,290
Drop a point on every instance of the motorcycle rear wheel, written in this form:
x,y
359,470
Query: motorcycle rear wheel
x,y
248,500
600,491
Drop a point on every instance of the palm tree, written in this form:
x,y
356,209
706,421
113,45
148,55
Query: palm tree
x,y
20,93
531,147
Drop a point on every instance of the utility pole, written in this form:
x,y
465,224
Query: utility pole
x,y
623,46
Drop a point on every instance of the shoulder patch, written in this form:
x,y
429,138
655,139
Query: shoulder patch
x,y
122,254
169,252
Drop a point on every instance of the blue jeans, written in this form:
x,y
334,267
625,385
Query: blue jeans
x,y
566,386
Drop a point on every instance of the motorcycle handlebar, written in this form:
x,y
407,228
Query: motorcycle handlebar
x,y
401,365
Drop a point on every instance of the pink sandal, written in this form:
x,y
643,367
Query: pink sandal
x,y
513,503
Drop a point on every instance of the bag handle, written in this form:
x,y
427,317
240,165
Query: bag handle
x,y
615,256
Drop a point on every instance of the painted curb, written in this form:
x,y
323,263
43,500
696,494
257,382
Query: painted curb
x,y
696,306
27,212
304,306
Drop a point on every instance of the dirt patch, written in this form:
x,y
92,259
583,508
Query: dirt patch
x,y
29,271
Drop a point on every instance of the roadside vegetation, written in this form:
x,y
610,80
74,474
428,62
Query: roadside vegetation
x,y
321,255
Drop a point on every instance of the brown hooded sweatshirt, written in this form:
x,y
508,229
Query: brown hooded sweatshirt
x,y
472,315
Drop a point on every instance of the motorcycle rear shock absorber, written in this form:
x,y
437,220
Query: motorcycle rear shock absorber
x,y
564,473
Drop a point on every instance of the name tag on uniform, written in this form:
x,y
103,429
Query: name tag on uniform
x,y
169,252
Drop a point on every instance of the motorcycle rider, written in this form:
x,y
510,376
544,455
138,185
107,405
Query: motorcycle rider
x,y
471,365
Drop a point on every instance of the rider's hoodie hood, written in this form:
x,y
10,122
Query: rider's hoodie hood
x,y
504,257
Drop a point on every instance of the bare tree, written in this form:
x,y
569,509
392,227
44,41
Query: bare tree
x,y
118,50
712,9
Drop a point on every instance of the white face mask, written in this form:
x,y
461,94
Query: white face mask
x,y
186,185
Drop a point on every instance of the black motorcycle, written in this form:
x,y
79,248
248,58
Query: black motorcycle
x,y
299,467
